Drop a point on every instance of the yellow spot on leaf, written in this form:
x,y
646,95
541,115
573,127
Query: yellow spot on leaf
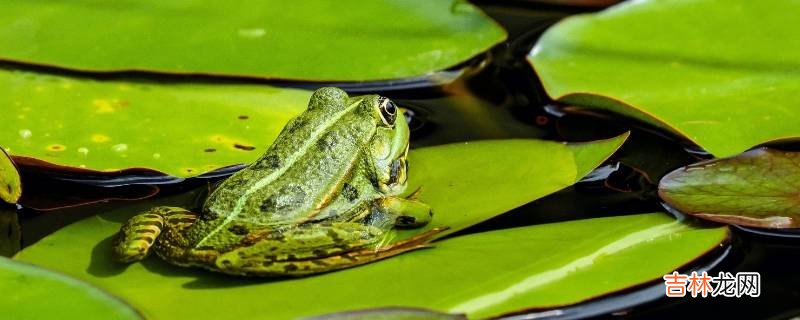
x,y
231,143
56,147
124,87
218,138
100,138
102,106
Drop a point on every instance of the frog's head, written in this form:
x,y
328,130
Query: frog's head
x,y
377,120
389,144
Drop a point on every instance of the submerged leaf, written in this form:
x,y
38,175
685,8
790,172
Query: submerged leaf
x,y
759,188
53,194
30,292
727,83
10,182
309,40
179,129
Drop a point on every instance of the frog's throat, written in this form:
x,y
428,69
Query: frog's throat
x,y
291,159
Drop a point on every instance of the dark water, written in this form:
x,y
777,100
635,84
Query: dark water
x,y
498,96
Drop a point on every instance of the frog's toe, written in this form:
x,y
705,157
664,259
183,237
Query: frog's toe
x,y
134,240
138,235
408,213
130,253
414,220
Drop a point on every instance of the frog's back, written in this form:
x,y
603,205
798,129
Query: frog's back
x,y
298,174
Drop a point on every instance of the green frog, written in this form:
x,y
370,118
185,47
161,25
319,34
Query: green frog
x,y
323,197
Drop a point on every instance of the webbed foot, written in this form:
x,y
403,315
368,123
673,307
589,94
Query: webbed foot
x,y
139,233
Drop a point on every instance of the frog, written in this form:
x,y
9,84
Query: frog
x,y
325,196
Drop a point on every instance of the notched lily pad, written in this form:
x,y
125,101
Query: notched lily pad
x,y
727,83
182,130
758,188
465,183
454,178
309,40
10,182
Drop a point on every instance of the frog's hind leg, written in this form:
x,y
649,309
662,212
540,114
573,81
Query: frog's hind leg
x,y
139,233
315,250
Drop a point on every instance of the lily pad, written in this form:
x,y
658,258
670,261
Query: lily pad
x,y
516,172
758,188
178,129
309,40
482,275
721,73
30,292
419,279
10,182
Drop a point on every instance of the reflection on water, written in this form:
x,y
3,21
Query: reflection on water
x,y
10,236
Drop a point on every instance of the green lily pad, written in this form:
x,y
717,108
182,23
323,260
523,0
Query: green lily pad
x,y
757,188
721,73
30,292
425,278
10,182
309,40
516,171
178,129
482,275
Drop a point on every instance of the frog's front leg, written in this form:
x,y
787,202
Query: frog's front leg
x,y
408,212
141,232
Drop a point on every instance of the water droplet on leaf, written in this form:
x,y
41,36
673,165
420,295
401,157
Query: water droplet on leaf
x,y
25,133
252,32
120,147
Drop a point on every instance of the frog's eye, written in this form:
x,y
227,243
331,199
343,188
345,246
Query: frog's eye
x,y
388,110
